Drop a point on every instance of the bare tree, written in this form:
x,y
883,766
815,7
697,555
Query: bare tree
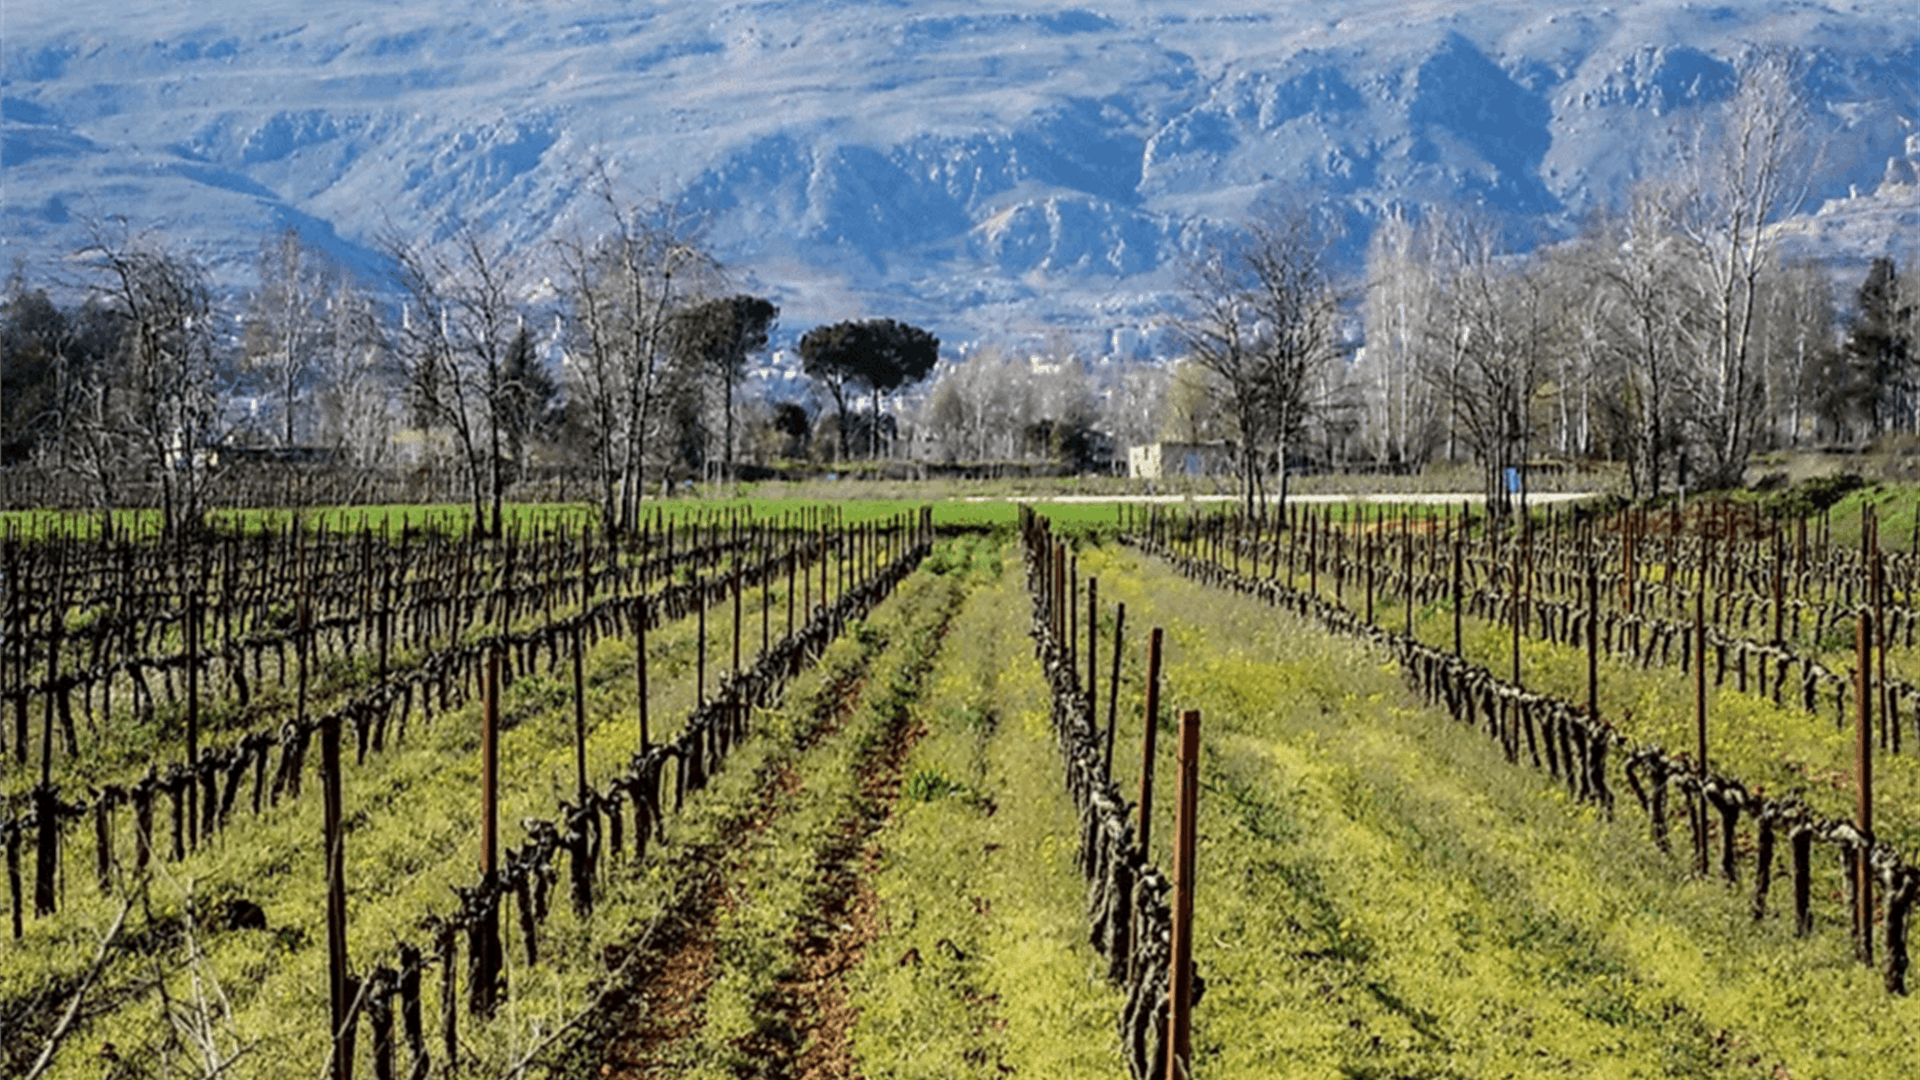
x,y
464,310
1640,268
357,375
950,416
1793,328
1130,411
1579,361
622,290
285,323
1191,410
1498,333
158,414
85,446
1745,169
1262,316
1399,420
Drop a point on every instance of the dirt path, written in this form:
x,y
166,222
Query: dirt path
x,y
803,1018
666,986
814,1006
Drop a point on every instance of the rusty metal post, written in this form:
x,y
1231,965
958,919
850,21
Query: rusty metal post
x,y
1180,971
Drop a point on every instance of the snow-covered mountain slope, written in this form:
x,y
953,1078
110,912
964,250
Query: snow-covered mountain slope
x,y
980,167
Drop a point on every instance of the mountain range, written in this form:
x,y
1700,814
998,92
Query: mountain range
x,y
985,169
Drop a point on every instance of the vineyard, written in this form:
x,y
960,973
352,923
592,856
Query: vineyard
x,y
792,794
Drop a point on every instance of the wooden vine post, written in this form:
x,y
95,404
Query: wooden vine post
x,y
486,965
1459,556
1180,970
1700,679
641,616
192,629
1593,630
1093,649
1514,595
1406,566
1883,698
1113,687
580,710
1072,596
736,575
1369,552
1147,741
700,648
1863,783
339,995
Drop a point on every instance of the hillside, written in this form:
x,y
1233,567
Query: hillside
x,y
979,167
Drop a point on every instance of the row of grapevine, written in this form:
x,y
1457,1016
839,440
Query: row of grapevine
x,y
517,624
1576,745
1135,925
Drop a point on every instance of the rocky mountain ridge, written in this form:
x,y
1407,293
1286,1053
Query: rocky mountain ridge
x,y
984,168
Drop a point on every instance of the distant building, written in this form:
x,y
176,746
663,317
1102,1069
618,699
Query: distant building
x,y
1164,460
415,447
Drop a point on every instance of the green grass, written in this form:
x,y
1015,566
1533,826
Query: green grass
x,y
1382,895
957,505
982,965
412,818
1773,749
809,791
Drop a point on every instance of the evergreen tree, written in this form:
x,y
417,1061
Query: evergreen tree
x,y
528,398
1880,352
880,354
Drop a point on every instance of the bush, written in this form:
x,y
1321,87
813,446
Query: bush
x,y
1810,497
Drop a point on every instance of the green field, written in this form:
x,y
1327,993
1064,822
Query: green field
x,y
882,879
456,520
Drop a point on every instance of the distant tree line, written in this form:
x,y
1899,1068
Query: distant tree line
x,y
622,361
1669,335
